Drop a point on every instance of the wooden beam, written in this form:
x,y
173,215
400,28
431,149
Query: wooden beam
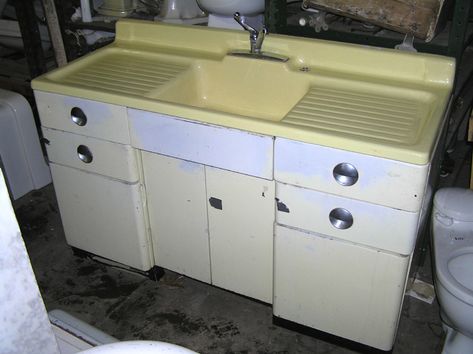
x,y
55,32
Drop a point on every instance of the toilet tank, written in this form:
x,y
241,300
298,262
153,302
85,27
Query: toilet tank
x,y
455,203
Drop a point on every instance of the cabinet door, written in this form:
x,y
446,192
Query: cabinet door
x,y
103,216
241,221
178,214
338,287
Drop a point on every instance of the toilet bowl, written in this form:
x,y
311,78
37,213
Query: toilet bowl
x,y
452,232
221,12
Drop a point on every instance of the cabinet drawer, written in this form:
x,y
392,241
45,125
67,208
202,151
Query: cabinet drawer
x,y
104,217
92,155
81,116
348,290
229,149
372,225
363,177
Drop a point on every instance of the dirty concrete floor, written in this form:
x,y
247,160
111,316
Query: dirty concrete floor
x,y
178,309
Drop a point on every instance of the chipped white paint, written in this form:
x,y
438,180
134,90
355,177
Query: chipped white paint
x,y
104,121
103,216
109,159
373,225
24,324
177,207
230,149
381,181
344,289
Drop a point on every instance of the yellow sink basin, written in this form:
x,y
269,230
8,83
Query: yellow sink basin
x,y
248,87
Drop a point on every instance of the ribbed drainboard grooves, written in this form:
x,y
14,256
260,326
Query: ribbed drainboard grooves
x,y
124,74
365,115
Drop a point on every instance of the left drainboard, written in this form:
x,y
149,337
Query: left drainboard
x,y
97,182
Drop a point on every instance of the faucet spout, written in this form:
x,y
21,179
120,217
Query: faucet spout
x,y
259,40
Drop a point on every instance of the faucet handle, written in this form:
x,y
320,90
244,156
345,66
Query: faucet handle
x,y
256,37
238,18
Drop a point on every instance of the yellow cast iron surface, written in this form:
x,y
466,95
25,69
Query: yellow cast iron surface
x,y
369,100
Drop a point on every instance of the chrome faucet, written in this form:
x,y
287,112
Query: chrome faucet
x,y
256,37
256,42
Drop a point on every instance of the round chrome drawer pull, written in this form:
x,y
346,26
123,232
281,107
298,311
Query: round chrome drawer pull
x,y
84,153
78,116
345,174
341,218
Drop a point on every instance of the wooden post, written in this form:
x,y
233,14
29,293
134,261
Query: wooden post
x,y
55,32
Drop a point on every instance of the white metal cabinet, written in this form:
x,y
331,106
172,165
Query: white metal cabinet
x,y
241,220
97,181
210,224
338,287
103,216
177,207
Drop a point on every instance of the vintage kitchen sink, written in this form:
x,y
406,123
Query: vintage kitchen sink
x,y
378,102
292,182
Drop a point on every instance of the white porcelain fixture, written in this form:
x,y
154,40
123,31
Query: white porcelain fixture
x,y
21,157
139,347
181,11
452,226
221,12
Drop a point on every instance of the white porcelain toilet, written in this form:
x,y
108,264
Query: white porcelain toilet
x,y
452,232
221,12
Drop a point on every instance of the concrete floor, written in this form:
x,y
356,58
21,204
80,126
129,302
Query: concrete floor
x,y
180,310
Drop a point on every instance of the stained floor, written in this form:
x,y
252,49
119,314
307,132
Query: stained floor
x,y
180,310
